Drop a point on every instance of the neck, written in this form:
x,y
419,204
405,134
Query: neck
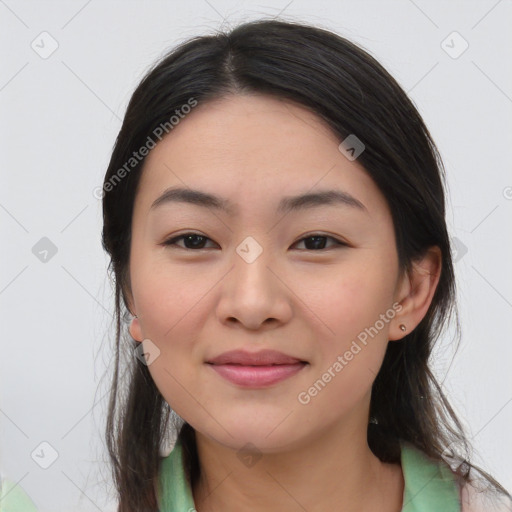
x,y
335,470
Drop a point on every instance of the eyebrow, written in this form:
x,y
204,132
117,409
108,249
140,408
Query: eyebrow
x,y
286,204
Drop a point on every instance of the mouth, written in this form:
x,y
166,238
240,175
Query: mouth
x,y
256,370
260,358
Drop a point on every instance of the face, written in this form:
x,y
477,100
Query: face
x,y
317,281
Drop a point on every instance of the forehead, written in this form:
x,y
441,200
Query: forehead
x,y
254,148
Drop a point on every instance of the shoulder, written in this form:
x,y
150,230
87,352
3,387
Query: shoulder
x,y
438,484
475,497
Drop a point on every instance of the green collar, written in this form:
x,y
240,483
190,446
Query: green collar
x,y
429,485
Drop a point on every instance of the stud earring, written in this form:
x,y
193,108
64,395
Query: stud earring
x,y
403,327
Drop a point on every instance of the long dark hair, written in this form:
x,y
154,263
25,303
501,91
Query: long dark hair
x,y
354,94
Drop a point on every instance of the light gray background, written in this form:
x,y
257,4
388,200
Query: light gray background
x,y
59,119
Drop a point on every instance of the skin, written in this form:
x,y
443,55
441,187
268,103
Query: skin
x,y
194,304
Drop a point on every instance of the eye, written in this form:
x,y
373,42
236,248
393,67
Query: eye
x,y
318,241
196,241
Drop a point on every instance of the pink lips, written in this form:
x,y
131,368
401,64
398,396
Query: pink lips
x,y
257,369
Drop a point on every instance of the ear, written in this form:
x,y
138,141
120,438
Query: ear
x,y
135,330
415,292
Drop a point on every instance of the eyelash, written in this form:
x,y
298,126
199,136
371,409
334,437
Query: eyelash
x,y
172,241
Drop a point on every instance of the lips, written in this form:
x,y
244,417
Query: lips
x,y
261,358
256,370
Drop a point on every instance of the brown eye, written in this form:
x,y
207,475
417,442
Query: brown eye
x,y
318,241
191,241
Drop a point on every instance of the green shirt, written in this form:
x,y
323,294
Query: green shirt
x,y
430,486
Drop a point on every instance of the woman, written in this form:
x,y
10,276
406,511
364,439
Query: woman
x,y
275,216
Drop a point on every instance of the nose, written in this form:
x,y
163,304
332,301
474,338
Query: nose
x,y
254,294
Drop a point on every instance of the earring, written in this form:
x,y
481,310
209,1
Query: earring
x,y
403,327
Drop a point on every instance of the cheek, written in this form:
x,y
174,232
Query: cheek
x,y
166,295
350,300
172,306
355,312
